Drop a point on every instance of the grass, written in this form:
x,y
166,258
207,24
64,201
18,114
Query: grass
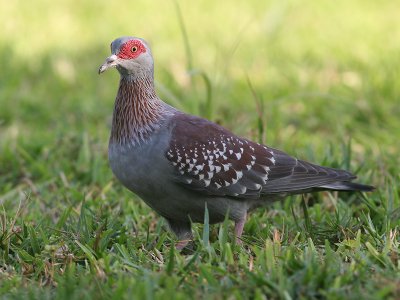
x,y
317,79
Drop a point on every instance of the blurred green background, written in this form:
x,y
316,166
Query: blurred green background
x,y
323,67
313,78
325,72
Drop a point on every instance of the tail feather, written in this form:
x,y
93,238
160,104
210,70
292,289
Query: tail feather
x,y
347,186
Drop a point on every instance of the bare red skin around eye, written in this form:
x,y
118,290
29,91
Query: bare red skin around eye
x,y
126,50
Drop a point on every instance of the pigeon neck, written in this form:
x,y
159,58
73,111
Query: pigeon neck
x,y
137,111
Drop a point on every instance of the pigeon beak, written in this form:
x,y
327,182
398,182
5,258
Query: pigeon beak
x,y
110,62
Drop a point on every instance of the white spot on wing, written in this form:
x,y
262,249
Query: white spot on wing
x,y
200,167
243,189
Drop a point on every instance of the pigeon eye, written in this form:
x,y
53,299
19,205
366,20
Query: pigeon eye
x,y
134,49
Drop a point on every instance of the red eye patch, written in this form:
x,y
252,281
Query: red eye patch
x,y
131,49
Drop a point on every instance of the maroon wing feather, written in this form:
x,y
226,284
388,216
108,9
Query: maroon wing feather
x,y
210,159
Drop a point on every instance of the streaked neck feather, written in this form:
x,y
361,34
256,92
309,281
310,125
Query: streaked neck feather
x,y
137,112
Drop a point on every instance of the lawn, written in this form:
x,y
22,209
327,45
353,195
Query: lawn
x,y
318,79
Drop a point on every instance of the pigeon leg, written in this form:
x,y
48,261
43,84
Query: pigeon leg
x,y
239,230
183,231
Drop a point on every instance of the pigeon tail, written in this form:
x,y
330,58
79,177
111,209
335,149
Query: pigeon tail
x,y
348,186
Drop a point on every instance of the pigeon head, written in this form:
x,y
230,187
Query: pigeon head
x,y
131,56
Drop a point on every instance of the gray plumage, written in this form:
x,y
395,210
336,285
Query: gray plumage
x,y
178,163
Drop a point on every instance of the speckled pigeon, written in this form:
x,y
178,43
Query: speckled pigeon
x,y
179,163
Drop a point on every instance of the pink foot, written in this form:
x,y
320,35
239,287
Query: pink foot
x,y
181,244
